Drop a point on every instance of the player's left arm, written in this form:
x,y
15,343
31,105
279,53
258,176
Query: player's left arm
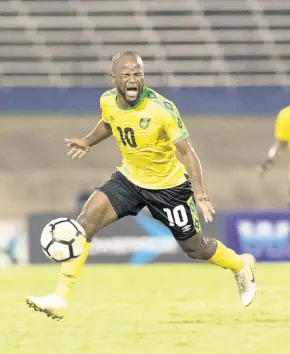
x,y
194,170
178,134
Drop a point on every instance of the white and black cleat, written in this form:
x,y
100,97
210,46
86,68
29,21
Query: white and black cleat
x,y
246,280
52,305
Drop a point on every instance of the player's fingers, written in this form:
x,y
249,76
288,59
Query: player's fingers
x,y
72,151
69,142
261,171
82,154
207,212
209,217
76,154
211,209
205,216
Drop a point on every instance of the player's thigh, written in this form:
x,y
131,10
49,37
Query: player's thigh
x,y
97,213
115,199
123,195
175,208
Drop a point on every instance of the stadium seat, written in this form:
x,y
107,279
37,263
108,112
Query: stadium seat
x,y
188,42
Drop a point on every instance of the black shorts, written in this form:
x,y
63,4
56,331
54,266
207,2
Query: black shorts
x,y
174,207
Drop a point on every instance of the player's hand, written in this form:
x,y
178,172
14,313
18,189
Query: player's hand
x,y
205,206
263,169
79,147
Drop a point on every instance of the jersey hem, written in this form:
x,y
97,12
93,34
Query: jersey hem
x,y
144,186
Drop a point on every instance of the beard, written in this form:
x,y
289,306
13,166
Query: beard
x,y
122,92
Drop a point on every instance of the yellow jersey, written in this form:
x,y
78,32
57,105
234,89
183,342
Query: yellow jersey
x,y
146,135
282,128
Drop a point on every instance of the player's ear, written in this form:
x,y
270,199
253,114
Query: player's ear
x,y
113,78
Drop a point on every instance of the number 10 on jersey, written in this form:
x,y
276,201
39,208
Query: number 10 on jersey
x,y
127,137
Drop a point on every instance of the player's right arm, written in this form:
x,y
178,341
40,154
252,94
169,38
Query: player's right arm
x,y
282,135
272,155
81,146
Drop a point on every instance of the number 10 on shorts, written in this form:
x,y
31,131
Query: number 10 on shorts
x,y
176,216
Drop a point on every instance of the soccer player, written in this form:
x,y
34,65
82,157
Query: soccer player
x,y
282,135
148,130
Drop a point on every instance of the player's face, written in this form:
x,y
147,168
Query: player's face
x,y
129,79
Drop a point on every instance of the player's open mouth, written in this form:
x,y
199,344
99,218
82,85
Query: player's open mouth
x,y
132,92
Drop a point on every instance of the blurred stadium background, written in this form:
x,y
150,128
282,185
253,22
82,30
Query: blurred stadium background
x,y
225,64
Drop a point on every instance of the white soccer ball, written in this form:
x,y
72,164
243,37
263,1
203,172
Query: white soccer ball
x,y
60,239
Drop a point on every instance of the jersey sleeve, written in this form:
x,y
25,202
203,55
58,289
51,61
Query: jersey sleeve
x,y
282,128
174,125
103,109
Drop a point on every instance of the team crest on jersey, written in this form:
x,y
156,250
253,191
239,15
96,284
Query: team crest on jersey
x,y
144,122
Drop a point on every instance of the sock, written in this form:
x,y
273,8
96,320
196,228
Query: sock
x,y
70,270
227,258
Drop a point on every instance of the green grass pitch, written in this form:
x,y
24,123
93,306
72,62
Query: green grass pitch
x,y
156,309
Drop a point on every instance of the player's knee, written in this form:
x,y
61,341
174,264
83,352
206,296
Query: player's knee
x,y
197,247
86,221
96,214
89,218
192,246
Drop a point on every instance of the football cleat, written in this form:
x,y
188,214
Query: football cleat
x,y
246,280
52,305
